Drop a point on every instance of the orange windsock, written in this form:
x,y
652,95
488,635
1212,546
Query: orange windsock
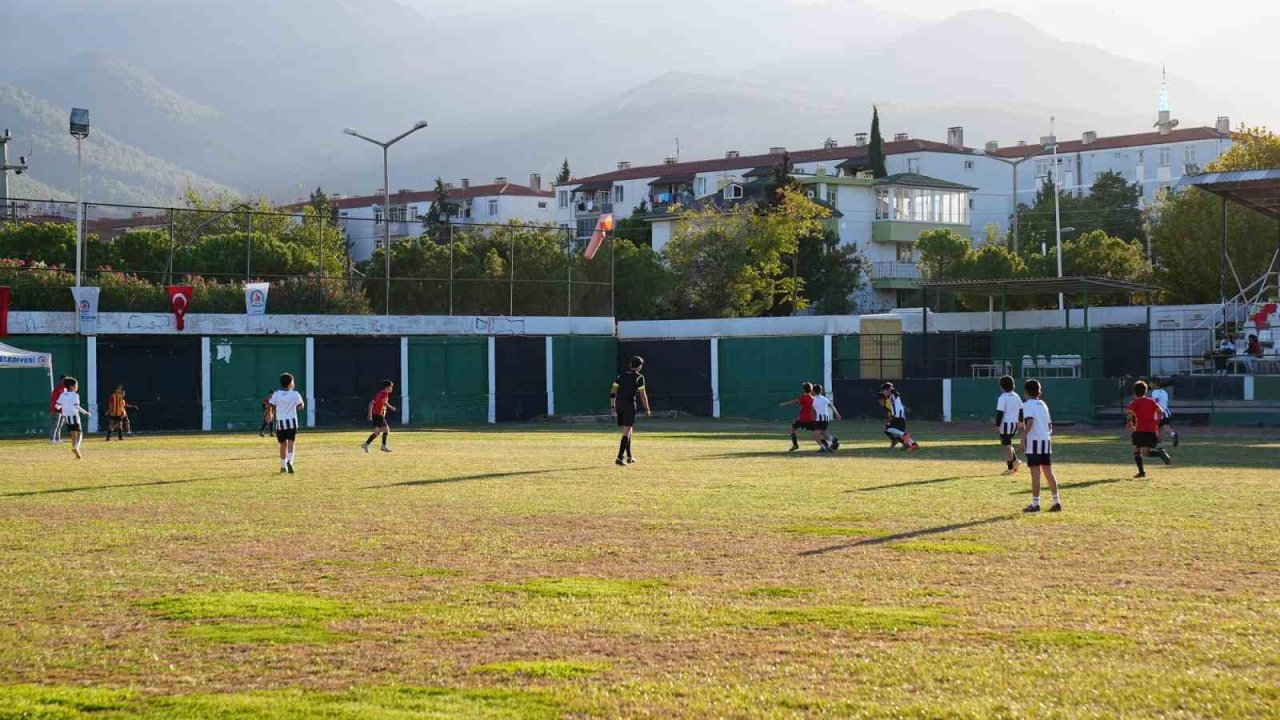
x,y
604,226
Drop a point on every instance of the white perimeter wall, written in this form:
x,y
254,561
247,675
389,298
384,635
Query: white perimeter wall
x,y
55,323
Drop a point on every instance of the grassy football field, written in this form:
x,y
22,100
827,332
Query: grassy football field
x,y
517,573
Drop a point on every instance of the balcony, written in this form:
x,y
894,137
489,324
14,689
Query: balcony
x,y
892,275
583,208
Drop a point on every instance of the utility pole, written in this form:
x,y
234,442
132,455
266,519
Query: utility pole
x,y
6,211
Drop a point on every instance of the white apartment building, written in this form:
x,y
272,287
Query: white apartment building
x,y
496,203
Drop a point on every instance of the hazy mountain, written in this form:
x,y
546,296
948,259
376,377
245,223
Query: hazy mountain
x,y
113,170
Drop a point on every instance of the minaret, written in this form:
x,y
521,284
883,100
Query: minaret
x,y
1164,123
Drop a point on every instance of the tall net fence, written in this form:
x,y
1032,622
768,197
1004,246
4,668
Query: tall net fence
x,y
317,260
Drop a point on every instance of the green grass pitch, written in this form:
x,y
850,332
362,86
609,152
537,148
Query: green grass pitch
x,y
516,572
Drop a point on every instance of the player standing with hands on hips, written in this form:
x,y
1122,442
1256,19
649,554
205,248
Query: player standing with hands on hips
x,y
628,390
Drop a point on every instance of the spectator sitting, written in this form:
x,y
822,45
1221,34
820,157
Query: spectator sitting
x,y
1252,352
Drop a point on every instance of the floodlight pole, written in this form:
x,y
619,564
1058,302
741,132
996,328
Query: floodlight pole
x,y
386,202
79,207
1017,244
1057,215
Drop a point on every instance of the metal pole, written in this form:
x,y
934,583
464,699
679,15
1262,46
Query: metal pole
x,y
1222,259
1057,216
449,234
568,254
1016,219
386,227
4,175
613,293
248,246
511,288
79,208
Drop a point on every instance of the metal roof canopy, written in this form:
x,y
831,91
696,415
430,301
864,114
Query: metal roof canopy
x,y
1258,190
1038,286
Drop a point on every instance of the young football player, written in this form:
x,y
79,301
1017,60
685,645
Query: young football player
x,y
118,413
1144,423
895,426
69,407
378,408
1037,446
805,419
268,415
1161,396
1008,423
824,411
286,403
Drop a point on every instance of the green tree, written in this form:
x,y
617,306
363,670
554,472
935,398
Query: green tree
x,y
731,264
1112,206
831,272
876,149
942,253
643,283
565,175
1185,229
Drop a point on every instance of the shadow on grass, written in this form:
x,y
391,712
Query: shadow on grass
x,y
912,483
922,532
482,476
1081,485
87,488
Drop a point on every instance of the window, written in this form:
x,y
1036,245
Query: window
x,y
493,208
733,191
1118,155
542,204
1142,156
833,195
882,204
1097,176
913,165
1162,193
904,252
562,197
968,165
1042,168
1164,157
377,214
700,186
617,193
1189,154
399,213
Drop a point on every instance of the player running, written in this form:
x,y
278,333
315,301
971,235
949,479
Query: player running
x,y
55,424
1161,396
806,419
1037,446
286,402
824,411
1008,423
69,406
1144,421
378,408
628,389
895,426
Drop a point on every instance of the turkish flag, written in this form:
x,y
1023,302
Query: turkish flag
x,y
179,301
604,226
4,311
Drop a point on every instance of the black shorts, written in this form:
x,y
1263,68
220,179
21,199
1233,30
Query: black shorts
x,y
379,421
626,415
897,424
115,418
1040,460
71,423
1006,439
1145,439
286,434
821,425
1164,422
804,425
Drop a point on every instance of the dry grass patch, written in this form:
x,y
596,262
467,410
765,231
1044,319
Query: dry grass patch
x,y
863,619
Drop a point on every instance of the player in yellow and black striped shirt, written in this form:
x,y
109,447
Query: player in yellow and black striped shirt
x,y
118,413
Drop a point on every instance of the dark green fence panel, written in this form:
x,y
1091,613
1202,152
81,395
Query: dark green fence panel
x,y
24,392
758,373
448,380
584,369
243,371
848,356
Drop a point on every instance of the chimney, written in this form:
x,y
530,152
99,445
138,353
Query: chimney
x,y
955,137
777,150
535,182
1089,137
1224,124
466,183
732,155
901,136
499,181
992,146
624,165
404,191
830,144
671,160
860,140
1022,143
1047,140
1165,124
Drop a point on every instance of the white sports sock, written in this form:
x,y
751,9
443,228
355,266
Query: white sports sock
x,y
282,462
1035,500
290,457
1055,498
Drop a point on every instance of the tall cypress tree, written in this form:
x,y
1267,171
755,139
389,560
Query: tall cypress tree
x,y
876,151
565,174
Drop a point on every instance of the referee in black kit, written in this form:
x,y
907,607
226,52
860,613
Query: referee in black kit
x,y
628,388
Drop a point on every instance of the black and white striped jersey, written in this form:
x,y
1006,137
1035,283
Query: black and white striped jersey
x,y
287,423
1040,428
1009,405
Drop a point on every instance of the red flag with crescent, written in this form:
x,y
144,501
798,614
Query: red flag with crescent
x,y
604,226
179,301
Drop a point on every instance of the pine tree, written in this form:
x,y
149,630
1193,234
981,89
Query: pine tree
x,y
876,150
565,174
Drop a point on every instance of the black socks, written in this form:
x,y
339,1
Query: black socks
x,y
384,438
1137,459
624,446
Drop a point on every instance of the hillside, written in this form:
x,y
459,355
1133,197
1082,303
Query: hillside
x,y
113,170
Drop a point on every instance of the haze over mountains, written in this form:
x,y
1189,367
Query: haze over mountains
x,y
253,95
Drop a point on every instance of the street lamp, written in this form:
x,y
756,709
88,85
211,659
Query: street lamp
x,y
79,131
386,199
1014,164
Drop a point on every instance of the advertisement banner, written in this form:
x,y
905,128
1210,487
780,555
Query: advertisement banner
x,y
255,298
86,309
179,302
